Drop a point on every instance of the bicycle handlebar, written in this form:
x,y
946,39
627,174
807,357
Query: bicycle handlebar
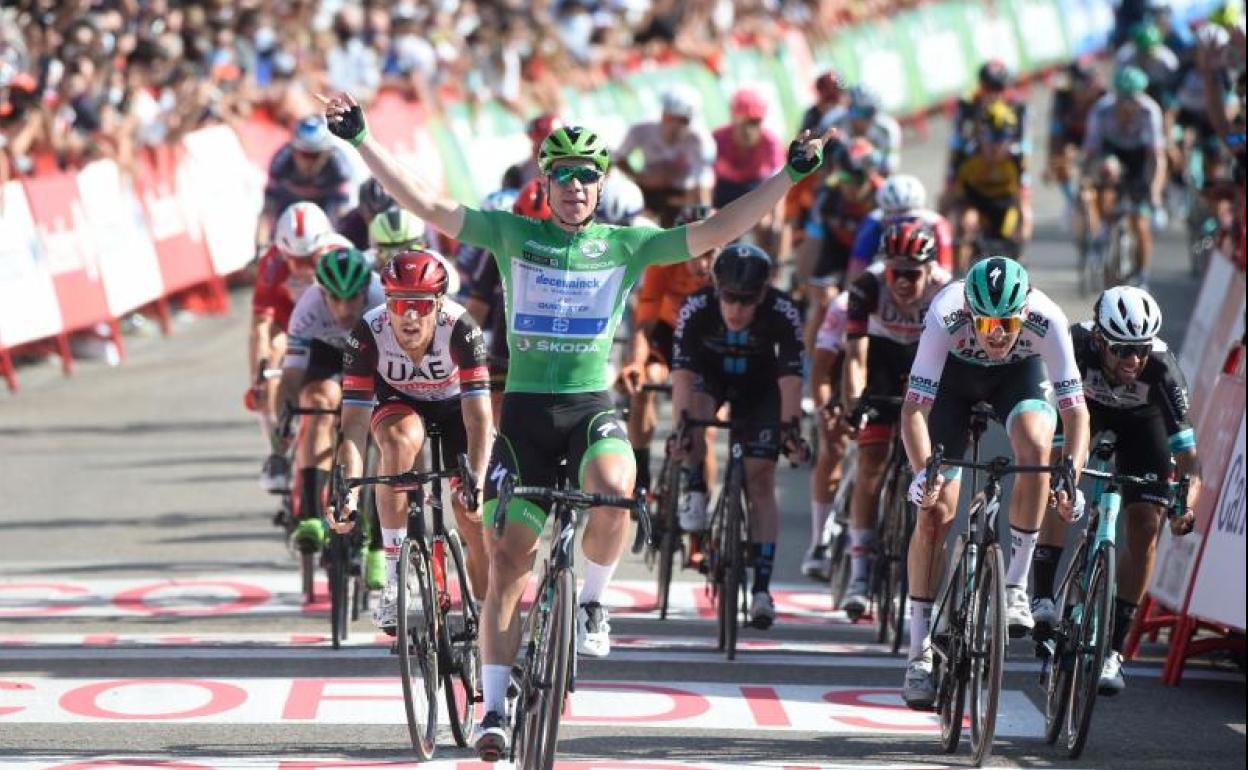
x,y
1180,488
569,497
411,480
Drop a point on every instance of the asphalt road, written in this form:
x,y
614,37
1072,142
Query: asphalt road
x,y
150,613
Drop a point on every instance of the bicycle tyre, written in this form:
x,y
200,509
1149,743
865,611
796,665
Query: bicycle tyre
x,y
1058,678
337,572
1092,647
733,563
417,646
987,658
462,673
949,671
553,678
307,576
670,537
902,573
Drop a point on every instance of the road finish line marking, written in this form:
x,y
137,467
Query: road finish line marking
x,y
278,593
834,710
121,762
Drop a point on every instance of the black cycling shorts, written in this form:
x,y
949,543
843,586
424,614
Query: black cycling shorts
x,y
888,369
755,407
660,338
1142,448
324,363
999,217
832,264
538,430
445,416
1011,389
1136,183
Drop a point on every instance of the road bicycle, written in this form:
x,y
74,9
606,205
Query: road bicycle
x,y
969,630
546,673
667,533
437,616
1073,653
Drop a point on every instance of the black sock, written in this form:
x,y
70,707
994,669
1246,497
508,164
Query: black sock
x,y
764,559
1044,569
642,456
312,485
1124,614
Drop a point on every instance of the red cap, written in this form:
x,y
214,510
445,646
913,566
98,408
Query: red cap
x,y
747,103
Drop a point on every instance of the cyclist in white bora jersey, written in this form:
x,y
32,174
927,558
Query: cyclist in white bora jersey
x,y
566,281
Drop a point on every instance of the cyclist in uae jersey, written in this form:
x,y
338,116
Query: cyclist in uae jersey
x,y
416,363
565,282
989,338
887,305
1135,389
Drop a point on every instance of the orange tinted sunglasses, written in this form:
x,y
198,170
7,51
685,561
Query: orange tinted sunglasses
x,y
986,325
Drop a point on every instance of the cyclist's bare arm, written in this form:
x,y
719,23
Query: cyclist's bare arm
x,y
479,425
682,392
1158,183
287,390
740,216
855,371
258,345
1188,464
355,422
822,362
1076,427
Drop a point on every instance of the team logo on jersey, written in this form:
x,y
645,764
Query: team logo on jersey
x,y
593,249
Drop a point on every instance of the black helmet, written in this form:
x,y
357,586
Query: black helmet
x,y
994,75
742,268
374,197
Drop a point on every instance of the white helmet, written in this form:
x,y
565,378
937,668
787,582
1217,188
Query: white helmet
x,y
621,201
902,192
299,228
1128,314
312,135
500,200
679,101
330,241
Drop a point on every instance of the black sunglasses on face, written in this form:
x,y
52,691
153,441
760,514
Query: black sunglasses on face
x,y
1124,349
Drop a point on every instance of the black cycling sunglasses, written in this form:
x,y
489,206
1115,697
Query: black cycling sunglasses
x,y
1124,349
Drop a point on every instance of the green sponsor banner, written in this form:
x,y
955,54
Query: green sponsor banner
x,y
458,177
878,56
766,75
494,140
992,35
1041,33
939,28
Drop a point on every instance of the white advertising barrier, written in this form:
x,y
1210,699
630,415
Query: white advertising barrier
x,y
1218,595
123,242
227,201
28,307
1217,322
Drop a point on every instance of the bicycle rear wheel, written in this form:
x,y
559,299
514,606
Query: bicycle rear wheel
x,y
417,646
948,661
461,659
1090,648
669,539
552,679
987,652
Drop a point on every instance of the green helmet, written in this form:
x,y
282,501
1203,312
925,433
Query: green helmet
x,y
573,142
395,227
1130,80
1146,36
997,287
343,272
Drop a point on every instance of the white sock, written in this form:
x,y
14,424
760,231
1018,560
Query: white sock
x,y
1022,546
494,682
860,541
920,626
597,576
818,518
392,542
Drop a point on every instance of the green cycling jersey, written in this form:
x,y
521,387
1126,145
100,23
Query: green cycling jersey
x,y
565,292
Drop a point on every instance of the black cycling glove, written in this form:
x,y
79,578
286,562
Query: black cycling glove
x,y
349,125
799,166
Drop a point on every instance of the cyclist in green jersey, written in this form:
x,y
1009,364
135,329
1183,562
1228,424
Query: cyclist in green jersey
x,y
565,281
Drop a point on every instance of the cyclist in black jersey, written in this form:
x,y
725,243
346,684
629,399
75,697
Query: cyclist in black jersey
x,y
1133,386
740,342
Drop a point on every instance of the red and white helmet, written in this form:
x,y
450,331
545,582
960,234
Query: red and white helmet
x,y
420,271
300,227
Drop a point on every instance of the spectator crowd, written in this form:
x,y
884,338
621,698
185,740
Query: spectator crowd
x,y
88,79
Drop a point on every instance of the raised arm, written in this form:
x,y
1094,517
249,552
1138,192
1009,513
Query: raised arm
x,y
740,216
346,120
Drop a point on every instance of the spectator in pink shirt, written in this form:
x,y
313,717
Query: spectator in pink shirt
x,y
746,152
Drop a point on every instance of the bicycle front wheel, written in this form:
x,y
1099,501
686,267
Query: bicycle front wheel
x,y
948,659
552,679
1091,647
732,557
417,646
669,539
987,652
338,573
1058,677
461,676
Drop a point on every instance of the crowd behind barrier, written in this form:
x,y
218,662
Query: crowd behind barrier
x,y
94,226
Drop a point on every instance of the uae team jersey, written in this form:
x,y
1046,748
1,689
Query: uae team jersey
x,y
565,292
454,364
949,333
311,322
